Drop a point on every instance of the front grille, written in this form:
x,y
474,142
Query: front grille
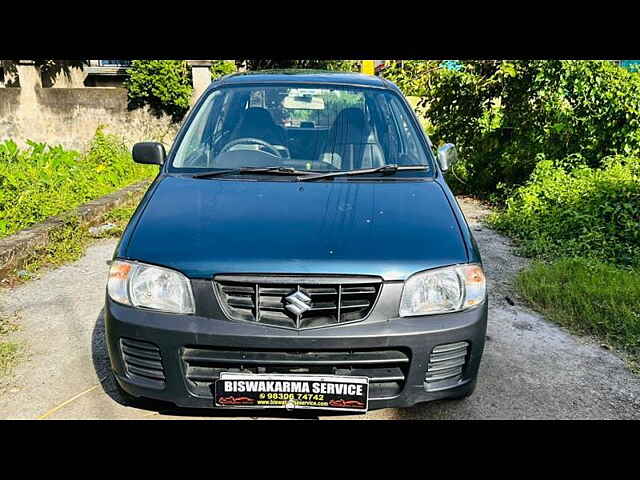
x,y
297,302
446,365
143,362
386,369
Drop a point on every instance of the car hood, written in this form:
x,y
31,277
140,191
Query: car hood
x,y
203,227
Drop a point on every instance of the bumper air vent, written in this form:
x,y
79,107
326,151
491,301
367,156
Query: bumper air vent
x,y
143,362
446,366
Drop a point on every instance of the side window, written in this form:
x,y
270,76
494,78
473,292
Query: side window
x,y
411,147
194,143
389,134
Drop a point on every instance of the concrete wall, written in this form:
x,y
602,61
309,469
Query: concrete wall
x,y
71,77
70,116
9,106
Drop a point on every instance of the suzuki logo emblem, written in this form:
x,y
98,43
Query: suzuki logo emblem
x,y
297,303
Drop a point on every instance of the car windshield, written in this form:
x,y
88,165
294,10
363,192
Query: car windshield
x,y
311,129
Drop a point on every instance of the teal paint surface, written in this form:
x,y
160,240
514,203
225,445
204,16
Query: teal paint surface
x,y
631,65
452,65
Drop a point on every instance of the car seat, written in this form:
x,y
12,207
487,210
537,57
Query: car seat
x,y
258,123
351,143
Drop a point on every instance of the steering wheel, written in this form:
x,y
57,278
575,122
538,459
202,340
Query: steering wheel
x,y
251,140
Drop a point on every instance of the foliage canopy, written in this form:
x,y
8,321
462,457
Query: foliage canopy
x,y
164,85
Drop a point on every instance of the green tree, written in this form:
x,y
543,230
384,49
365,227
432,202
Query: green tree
x,y
164,85
411,76
506,116
220,68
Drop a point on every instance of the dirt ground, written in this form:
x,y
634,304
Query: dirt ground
x,y
531,369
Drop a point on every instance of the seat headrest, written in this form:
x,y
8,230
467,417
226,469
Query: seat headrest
x,y
257,122
256,116
350,126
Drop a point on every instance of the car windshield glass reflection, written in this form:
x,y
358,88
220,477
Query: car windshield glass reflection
x,y
303,129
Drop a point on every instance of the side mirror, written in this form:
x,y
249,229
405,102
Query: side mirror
x,y
447,156
152,153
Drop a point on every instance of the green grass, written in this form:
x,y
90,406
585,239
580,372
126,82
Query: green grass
x,y
588,297
120,217
9,351
67,243
70,241
42,181
578,212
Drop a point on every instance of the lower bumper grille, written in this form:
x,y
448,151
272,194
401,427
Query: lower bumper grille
x,y
386,369
143,362
446,366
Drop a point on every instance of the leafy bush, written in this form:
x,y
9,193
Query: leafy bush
x,y
219,68
505,116
411,76
580,211
164,85
589,297
43,181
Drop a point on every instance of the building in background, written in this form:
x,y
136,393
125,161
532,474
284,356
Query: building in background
x,y
106,73
67,73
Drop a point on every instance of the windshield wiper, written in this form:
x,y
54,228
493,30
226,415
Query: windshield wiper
x,y
233,171
386,169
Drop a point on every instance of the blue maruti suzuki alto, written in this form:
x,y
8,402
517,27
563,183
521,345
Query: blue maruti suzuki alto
x,y
299,249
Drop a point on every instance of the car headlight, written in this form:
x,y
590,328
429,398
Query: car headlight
x,y
443,290
148,286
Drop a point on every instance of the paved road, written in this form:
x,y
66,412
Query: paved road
x,y
531,369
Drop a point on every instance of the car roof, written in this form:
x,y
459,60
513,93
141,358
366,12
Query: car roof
x,y
302,76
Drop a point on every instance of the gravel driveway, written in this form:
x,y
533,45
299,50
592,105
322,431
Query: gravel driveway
x,y
531,369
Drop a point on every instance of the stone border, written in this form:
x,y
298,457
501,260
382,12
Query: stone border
x,y
15,249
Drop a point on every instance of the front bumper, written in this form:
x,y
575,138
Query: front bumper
x,y
172,333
